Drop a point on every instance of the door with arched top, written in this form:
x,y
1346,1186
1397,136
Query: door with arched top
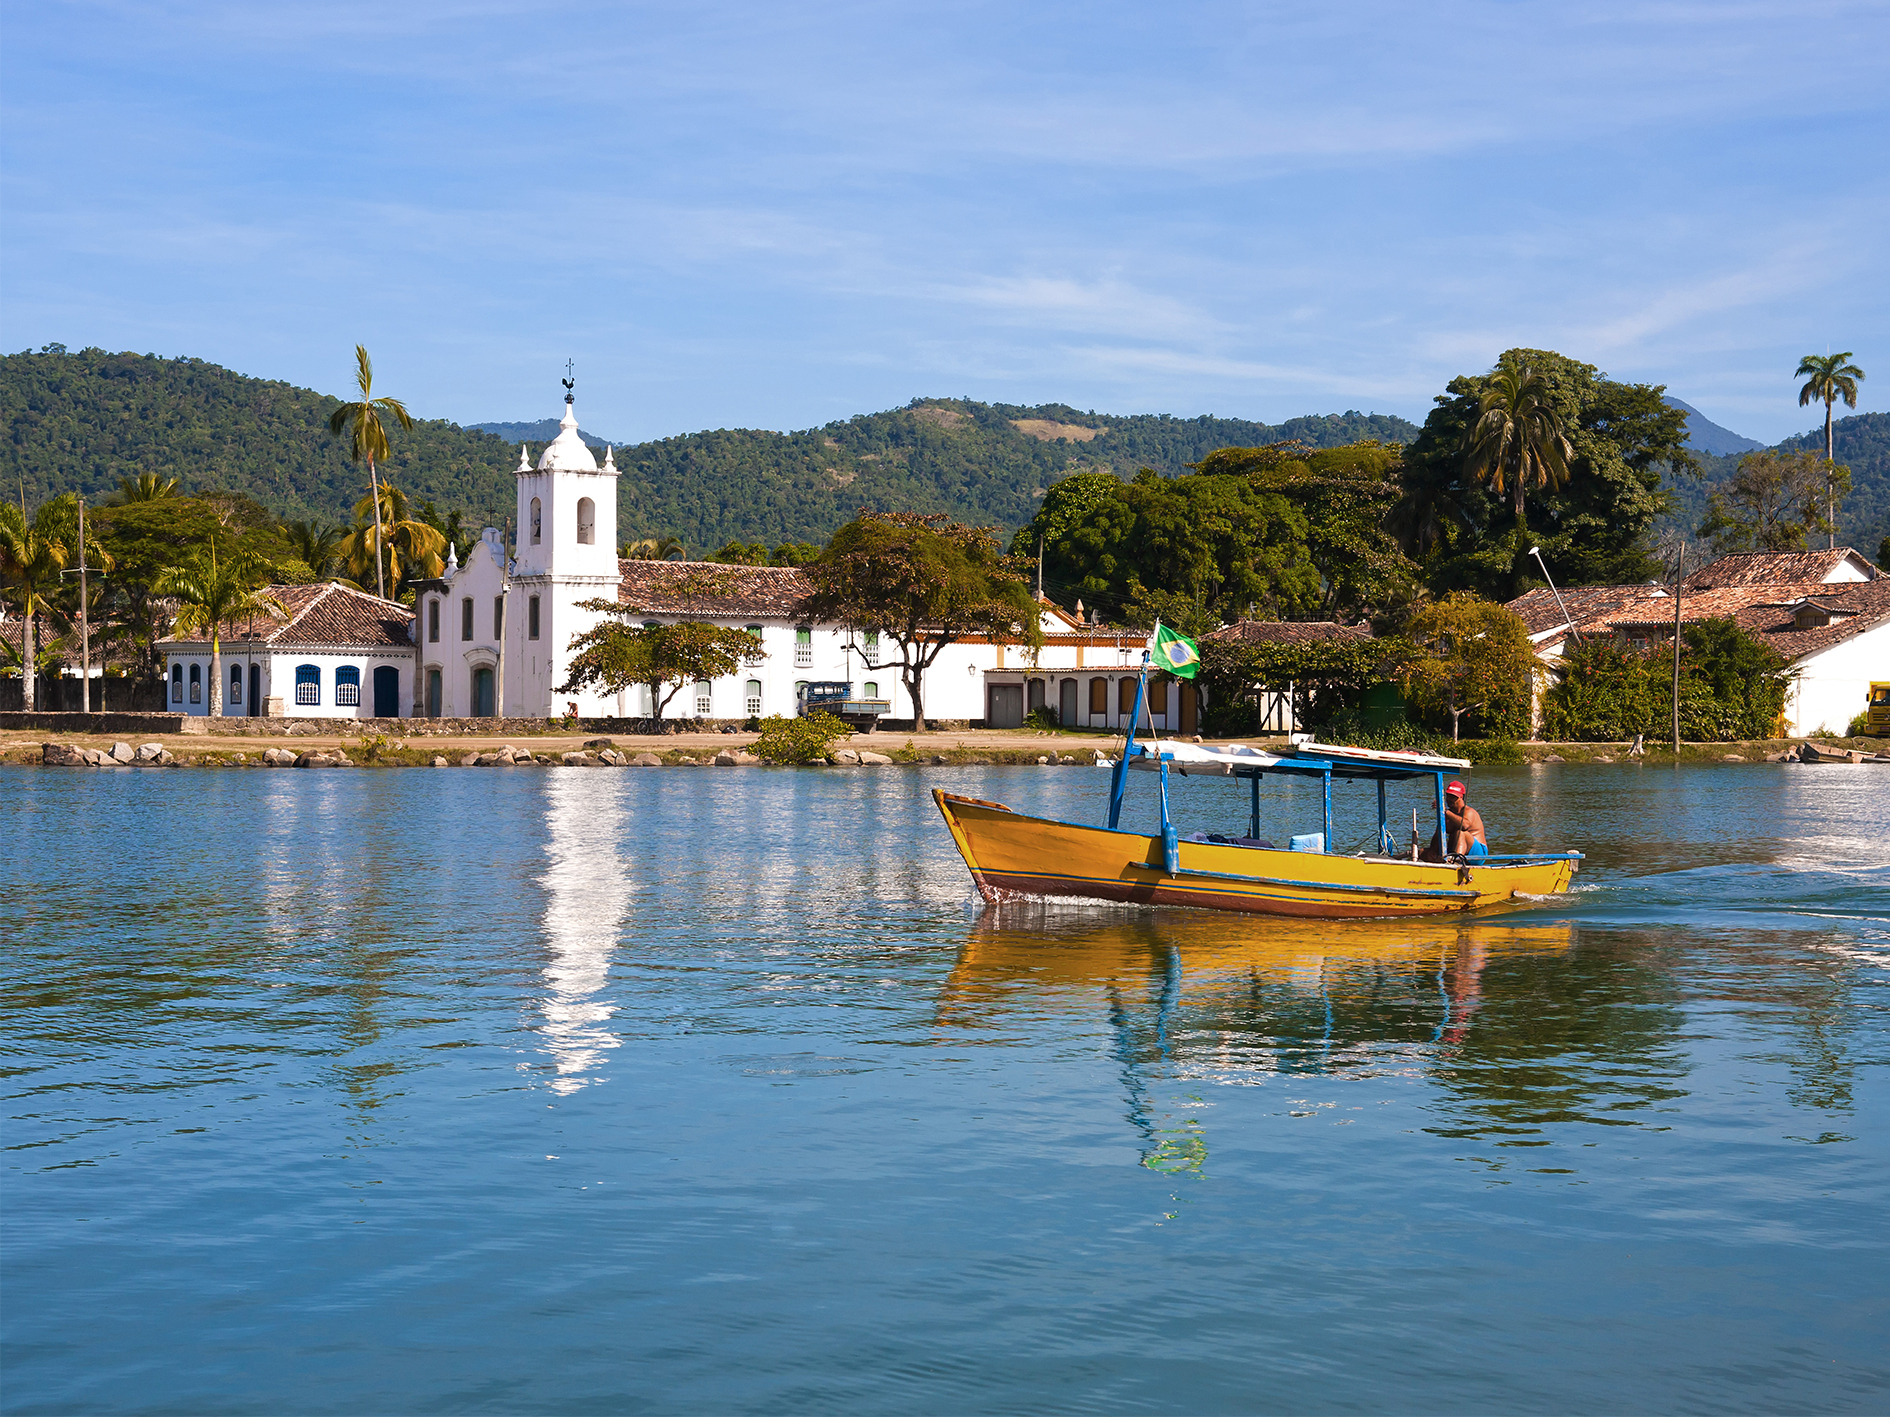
x,y
482,693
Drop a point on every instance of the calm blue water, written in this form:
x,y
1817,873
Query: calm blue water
x,y
714,1091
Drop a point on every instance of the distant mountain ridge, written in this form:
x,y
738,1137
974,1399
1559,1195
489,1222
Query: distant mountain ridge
x,y
79,422
1707,436
542,431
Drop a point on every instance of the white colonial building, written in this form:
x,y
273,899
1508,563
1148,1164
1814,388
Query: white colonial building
x,y
335,652
492,637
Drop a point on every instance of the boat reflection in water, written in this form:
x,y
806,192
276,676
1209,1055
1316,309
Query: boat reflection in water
x,y
1193,1002
587,897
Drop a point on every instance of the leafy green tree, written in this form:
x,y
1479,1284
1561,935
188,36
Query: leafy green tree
x,y
922,582
33,558
1518,436
315,545
616,654
145,539
1347,495
1773,501
1221,543
452,526
1732,687
1593,528
795,553
1828,378
1473,657
367,441
211,590
735,553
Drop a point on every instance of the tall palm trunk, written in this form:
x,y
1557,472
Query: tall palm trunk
x,y
216,675
374,487
1830,456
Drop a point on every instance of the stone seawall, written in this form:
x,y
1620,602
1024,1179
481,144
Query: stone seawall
x,y
242,727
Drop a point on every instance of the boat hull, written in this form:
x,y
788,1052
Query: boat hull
x,y
1013,855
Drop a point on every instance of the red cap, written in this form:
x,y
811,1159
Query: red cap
x,y
1455,789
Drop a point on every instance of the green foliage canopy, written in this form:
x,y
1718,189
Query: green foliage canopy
x,y
1732,687
922,582
1593,529
615,654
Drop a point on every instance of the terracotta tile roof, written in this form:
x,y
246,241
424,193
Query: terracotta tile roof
x,y
1777,568
1541,612
1868,604
1697,605
711,589
1289,632
322,616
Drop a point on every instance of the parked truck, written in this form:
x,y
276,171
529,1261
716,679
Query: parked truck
x,y
837,698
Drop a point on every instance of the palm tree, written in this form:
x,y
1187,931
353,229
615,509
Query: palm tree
x,y
412,546
145,487
1828,377
654,548
210,593
314,545
1518,438
368,440
33,554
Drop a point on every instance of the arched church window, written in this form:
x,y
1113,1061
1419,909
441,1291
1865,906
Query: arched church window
x,y
236,683
531,618
538,520
703,696
433,621
177,683
348,686
587,521
754,698
465,617
196,684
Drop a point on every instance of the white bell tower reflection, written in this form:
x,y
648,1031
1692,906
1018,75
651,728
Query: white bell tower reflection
x,y
587,897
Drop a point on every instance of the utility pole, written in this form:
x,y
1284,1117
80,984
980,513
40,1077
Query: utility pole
x,y
1040,568
1679,584
85,625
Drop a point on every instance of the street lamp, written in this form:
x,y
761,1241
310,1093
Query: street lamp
x,y
1536,551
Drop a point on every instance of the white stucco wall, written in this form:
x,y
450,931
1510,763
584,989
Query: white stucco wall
x,y
1833,686
279,666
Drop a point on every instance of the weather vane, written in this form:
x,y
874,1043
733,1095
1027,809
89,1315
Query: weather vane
x,y
569,380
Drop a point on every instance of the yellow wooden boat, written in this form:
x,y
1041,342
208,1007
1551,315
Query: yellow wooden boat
x,y
1013,855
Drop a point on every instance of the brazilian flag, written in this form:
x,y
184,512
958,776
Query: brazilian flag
x,y
1175,653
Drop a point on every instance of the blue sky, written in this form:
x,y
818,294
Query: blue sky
x,y
776,215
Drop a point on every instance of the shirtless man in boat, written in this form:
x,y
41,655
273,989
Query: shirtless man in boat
x,y
1466,828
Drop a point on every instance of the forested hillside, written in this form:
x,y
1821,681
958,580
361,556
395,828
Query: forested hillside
x,y
81,421
1862,443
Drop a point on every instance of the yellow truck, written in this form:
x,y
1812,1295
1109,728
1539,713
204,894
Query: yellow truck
x,y
1877,716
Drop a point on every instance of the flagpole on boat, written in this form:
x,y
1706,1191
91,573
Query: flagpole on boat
x,y
1120,779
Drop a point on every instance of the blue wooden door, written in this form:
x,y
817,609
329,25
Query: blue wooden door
x,y
386,691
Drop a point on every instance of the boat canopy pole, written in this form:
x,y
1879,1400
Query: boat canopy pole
x,y
1325,782
1443,837
1384,837
1253,831
1121,778
1171,848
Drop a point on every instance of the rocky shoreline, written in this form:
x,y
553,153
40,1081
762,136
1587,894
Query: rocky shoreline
x,y
376,751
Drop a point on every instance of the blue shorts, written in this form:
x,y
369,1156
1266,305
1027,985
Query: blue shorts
x,y
1476,852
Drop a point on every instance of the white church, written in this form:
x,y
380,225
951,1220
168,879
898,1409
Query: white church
x,y
491,638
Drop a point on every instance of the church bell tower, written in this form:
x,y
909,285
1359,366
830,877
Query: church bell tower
x,y
566,553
